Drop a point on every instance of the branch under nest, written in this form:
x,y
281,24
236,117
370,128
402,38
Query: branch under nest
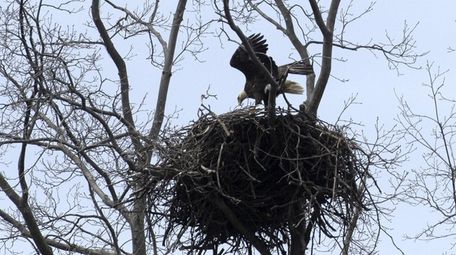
x,y
259,168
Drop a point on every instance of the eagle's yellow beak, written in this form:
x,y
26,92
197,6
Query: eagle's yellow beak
x,y
242,96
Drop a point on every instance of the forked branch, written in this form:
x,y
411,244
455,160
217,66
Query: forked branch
x,y
327,32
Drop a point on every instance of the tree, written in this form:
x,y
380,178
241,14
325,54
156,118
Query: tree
x,y
431,133
74,128
82,151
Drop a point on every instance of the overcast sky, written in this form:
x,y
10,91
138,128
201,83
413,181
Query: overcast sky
x,y
366,75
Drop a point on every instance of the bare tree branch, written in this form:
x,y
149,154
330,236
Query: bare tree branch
x,y
122,72
27,214
65,246
167,70
327,31
302,49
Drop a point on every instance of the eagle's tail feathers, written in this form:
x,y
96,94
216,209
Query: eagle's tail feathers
x,y
292,87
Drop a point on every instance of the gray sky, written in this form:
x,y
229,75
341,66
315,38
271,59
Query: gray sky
x,y
368,77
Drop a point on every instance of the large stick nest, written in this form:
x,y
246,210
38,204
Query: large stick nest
x,y
243,172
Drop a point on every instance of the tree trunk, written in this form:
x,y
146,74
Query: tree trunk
x,y
297,227
137,225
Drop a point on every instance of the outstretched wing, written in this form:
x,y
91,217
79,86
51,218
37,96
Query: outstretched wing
x,y
241,60
298,67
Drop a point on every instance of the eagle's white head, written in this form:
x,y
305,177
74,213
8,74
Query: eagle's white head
x,y
242,96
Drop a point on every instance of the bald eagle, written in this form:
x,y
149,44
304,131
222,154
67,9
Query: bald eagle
x,y
257,85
